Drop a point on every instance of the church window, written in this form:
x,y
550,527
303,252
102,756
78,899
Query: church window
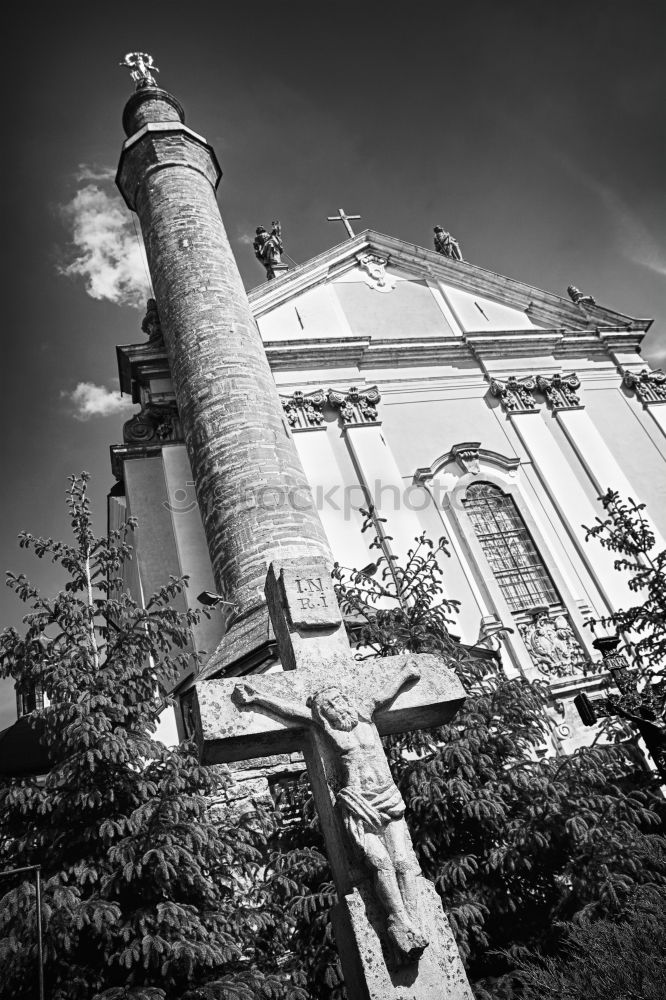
x,y
508,546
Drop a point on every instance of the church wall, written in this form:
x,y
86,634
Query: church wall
x,y
409,310
475,312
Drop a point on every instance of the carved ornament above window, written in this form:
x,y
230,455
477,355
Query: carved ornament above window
x,y
467,456
154,424
560,390
552,645
304,409
356,407
515,394
649,386
374,272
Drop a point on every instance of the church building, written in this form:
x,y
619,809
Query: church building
x,y
455,401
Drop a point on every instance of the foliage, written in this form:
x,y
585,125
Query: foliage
x,y
146,894
608,959
628,532
513,840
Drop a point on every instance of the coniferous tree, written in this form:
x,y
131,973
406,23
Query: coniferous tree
x,y
145,894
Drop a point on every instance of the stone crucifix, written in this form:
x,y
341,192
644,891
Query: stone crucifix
x,y
393,938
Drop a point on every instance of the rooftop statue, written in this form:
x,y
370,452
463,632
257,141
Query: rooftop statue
x,y
141,68
578,298
446,244
268,247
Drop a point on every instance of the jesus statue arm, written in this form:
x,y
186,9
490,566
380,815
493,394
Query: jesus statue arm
x,y
246,694
408,672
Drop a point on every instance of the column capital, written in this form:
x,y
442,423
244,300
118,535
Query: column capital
x,y
649,386
516,395
303,410
356,406
560,390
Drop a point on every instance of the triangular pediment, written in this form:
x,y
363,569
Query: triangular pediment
x,y
481,300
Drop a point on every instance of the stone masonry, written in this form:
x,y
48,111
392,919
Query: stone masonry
x,y
250,485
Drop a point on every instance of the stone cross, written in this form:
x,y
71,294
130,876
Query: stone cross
x,y
345,220
393,937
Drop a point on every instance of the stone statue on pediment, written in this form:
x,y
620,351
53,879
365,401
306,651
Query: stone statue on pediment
x,y
446,244
268,247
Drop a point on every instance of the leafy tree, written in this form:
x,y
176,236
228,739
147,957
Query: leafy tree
x,y
513,840
146,894
626,531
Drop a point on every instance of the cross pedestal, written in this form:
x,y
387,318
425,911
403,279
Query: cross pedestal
x,y
393,937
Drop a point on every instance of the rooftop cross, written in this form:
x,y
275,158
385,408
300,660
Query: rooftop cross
x,y
141,68
393,937
344,218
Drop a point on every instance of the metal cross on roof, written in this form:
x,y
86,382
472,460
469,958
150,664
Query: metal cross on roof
x,y
344,218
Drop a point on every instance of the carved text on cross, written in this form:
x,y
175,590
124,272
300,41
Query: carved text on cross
x,y
335,709
345,220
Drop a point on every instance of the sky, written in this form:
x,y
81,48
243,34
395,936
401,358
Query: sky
x,y
533,132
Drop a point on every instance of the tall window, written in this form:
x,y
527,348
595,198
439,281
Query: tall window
x,y
507,545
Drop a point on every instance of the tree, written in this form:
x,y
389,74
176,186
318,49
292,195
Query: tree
x,y
627,531
146,895
513,840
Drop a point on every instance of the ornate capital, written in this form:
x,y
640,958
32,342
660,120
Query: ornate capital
x,y
154,424
467,456
649,386
560,390
553,648
304,409
515,394
374,268
356,407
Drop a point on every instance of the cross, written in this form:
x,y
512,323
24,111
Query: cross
x,y
344,218
393,937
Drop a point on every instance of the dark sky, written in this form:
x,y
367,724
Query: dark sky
x,y
533,132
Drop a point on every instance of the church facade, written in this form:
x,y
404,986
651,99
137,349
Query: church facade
x,y
459,403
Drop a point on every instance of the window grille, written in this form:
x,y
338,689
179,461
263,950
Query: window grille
x,y
507,545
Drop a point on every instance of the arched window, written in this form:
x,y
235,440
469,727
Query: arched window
x,y
507,545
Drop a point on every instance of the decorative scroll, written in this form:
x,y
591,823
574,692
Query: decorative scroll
x,y
650,387
356,407
375,275
516,394
578,298
553,647
467,456
304,410
153,424
560,390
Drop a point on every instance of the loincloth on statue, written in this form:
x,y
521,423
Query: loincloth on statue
x,y
369,812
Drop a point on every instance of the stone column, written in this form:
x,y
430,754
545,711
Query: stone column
x,y
244,462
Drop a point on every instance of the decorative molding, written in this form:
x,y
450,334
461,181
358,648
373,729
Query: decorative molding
x,y
551,643
303,410
356,407
560,390
649,386
154,424
469,455
515,394
374,268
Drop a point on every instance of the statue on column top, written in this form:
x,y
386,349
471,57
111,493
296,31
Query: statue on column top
x,y
141,68
446,244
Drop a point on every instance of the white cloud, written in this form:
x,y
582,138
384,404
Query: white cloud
x,y
106,251
86,172
92,400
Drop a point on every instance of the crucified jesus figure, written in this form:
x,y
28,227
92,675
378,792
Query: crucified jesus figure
x,y
371,804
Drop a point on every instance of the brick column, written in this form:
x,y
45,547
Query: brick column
x,y
243,457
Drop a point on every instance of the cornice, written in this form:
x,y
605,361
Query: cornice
x,y
139,363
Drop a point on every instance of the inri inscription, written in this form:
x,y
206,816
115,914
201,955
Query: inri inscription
x,y
310,597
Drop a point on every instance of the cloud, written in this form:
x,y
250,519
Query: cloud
x,y
632,237
90,400
105,251
93,173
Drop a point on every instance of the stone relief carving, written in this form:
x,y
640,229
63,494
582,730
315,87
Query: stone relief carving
x,y
649,386
304,410
578,298
553,647
151,325
356,407
154,423
370,804
515,394
374,268
560,390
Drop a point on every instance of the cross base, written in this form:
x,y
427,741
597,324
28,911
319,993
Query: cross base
x,y
371,971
